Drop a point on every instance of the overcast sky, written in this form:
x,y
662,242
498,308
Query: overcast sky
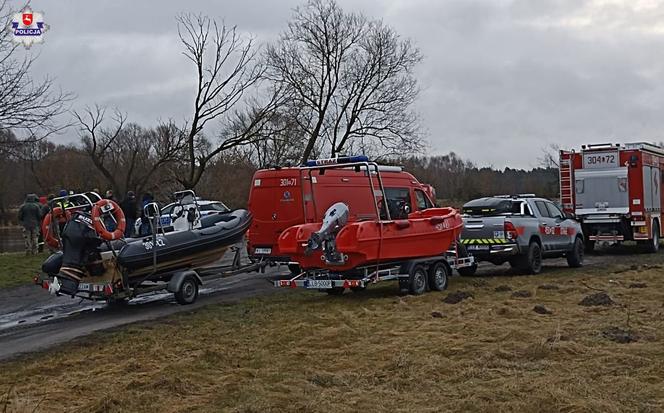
x,y
500,80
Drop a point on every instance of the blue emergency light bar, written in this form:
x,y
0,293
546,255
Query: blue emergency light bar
x,y
337,160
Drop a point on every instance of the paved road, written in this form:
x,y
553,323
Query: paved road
x,y
32,320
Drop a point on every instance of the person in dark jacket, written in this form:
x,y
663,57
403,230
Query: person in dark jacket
x,y
145,223
29,216
129,207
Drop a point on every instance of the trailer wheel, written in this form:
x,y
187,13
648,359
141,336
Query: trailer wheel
x,y
188,291
417,280
531,262
575,256
653,244
438,275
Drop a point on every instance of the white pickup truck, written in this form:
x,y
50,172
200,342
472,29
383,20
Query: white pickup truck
x,y
521,230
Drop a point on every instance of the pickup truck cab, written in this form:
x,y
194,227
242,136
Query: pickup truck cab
x,y
521,230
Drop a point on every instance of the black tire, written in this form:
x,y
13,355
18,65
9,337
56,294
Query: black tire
x,y
294,269
589,246
417,280
653,244
438,276
335,291
188,291
467,271
575,256
531,262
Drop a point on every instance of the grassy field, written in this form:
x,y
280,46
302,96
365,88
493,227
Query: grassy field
x,y
17,269
376,351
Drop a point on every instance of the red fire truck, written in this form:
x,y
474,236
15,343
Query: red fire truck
x,y
615,192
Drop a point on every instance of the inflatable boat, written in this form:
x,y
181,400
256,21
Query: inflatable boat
x,y
339,245
86,258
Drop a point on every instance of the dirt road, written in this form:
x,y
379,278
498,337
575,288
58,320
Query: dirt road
x,y
32,320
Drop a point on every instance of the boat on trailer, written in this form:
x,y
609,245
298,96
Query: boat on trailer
x,y
99,264
419,251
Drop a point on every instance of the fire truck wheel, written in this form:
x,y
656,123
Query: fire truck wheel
x,y
188,291
531,262
417,281
335,291
575,256
653,244
589,246
438,274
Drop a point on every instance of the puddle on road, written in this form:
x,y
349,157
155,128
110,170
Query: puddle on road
x,y
59,310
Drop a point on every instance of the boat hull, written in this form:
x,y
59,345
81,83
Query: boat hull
x,y
424,234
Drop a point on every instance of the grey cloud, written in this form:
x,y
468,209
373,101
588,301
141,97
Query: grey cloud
x,y
500,80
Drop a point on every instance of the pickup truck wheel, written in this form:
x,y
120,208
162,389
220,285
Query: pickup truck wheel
x,y
575,256
589,246
188,291
438,274
531,262
417,281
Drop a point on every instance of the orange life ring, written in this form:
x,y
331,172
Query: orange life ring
x,y
61,217
98,222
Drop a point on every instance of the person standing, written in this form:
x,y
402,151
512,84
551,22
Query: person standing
x,y
109,222
29,217
145,222
129,207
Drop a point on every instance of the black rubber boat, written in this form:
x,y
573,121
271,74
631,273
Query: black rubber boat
x,y
82,250
186,249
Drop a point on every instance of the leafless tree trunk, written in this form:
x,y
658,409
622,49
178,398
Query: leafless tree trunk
x,y
127,155
549,158
226,70
28,107
351,78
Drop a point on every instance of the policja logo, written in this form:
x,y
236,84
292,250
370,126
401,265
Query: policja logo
x,y
27,27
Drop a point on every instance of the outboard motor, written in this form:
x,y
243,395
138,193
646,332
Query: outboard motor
x,y
335,218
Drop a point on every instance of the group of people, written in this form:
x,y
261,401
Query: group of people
x,y
32,212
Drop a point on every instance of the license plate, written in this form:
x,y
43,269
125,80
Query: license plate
x,y
165,221
478,247
320,284
84,287
265,251
499,234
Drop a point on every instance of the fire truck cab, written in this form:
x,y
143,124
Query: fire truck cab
x,y
285,196
615,192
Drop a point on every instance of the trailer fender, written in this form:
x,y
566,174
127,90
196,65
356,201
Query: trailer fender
x,y
177,278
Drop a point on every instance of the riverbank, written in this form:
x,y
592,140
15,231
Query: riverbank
x,y
18,269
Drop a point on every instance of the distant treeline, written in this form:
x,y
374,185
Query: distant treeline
x,y
459,180
228,178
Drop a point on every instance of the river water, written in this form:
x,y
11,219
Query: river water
x,y
11,239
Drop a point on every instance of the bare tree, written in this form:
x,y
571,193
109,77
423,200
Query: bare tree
x,y
28,107
350,78
127,155
550,155
226,70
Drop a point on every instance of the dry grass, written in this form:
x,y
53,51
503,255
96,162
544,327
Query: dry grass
x,y
373,351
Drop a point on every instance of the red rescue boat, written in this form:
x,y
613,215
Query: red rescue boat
x,y
338,245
